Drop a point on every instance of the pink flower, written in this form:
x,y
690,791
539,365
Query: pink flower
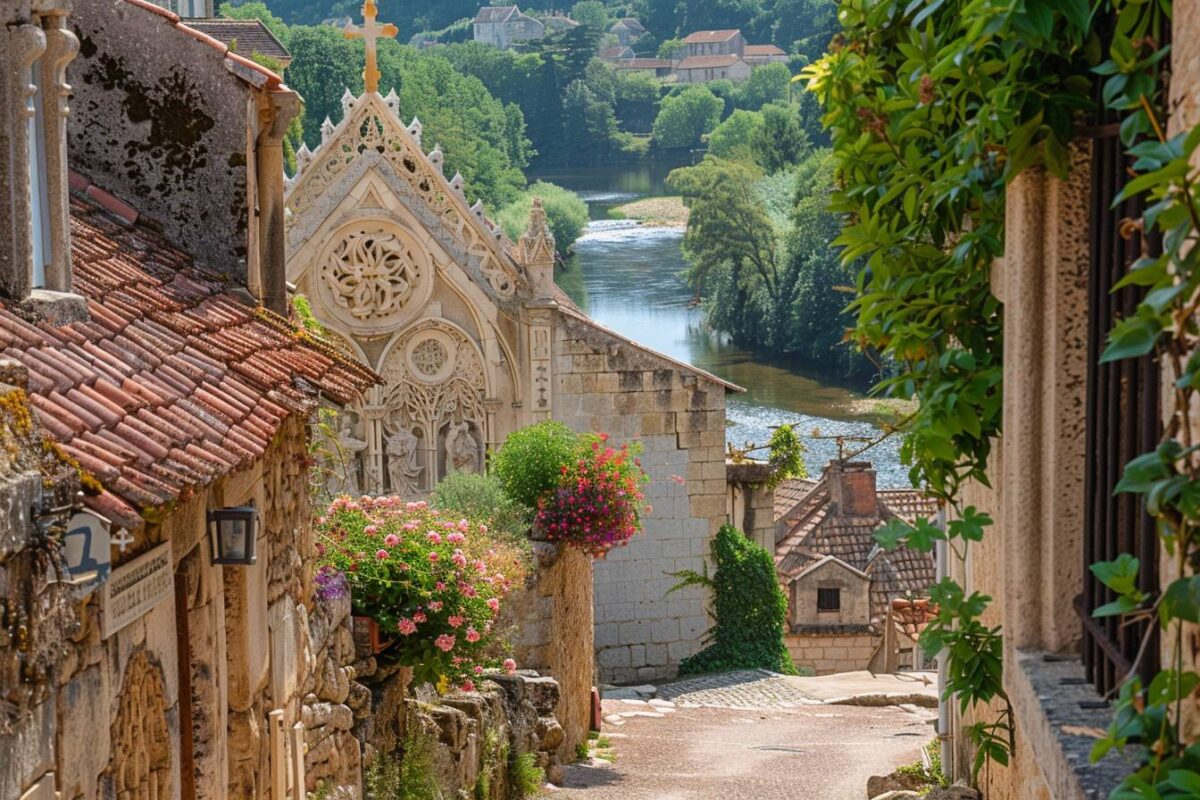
x,y
483,528
434,537
419,616
493,604
470,591
455,538
464,526
480,567
510,666
404,567
391,540
478,670
456,621
441,587
381,554
371,530
459,559
473,635
406,626
433,556
468,686
435,605
445,643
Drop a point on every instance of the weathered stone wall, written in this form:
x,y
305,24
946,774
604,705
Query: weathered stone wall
x,y
333,702
159,118
605,384
750,504
826,653
853,591
552,624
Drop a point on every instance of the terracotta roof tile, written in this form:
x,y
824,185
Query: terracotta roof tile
x,y
174,380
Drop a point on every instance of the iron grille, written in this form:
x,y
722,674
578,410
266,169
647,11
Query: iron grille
x,y
1122,422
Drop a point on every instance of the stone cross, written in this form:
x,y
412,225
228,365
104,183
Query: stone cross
x,y
371,33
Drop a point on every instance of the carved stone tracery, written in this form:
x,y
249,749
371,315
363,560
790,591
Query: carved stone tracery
x,y
374,277
141,760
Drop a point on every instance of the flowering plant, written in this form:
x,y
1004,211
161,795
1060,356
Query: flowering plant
x,y
597,502
433,579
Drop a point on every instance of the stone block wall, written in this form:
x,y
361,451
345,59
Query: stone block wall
x,y
826,653
604,383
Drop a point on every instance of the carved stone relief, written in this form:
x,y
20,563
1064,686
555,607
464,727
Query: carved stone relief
x,y
374,277
141,737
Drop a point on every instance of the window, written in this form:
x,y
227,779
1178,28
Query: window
x,y
829,599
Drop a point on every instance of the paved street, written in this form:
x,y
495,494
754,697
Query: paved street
x,y
747,737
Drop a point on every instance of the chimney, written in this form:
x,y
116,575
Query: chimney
x,y
852,488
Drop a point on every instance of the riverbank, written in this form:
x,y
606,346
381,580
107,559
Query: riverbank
x,y
654,212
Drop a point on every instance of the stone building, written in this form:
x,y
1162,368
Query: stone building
x,y
715,43
839,583
500,26
474,340
627,30
154,381
1069,425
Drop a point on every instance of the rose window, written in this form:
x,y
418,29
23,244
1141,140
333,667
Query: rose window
x,y
373,277
429,357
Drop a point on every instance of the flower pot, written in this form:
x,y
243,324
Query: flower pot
x,y
368,637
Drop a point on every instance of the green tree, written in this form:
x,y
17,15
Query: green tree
x,y
589,124
669,48
566,214
738,136
592,14
255,10
781,141
766,84
685,117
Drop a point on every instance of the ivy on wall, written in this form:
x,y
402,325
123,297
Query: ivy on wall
x,y
934,106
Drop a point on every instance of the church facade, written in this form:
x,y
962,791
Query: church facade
x,y
474,340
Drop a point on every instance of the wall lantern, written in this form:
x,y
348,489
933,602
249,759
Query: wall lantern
x,y
234,532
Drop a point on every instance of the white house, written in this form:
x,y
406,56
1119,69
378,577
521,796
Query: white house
x,y
500,26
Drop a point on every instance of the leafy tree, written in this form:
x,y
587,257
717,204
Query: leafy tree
x,y
255,10
324,64
766,84
566,214
592,14
685,117
781,141
749,609
738,136
669,48
589,124
635,100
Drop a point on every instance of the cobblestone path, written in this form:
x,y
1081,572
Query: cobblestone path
x,y
756,688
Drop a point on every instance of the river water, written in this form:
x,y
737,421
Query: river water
x,y
626,277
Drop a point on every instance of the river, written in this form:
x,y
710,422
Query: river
x,y
626,277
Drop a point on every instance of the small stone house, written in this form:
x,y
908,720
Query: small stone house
x,y
839,583
715,43
153,378
702,69
758,54
500,26
627,30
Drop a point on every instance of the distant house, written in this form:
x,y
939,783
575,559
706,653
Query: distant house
x,y
246,37
337,22
658,67
616,54
701,69
558,23
628,30
715,43
500,26
757,54
841,586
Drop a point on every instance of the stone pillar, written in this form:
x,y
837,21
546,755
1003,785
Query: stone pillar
x,y
270,285
61,47
23,45
751,502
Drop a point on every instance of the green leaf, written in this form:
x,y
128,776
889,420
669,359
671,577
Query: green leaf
x,y
1120,575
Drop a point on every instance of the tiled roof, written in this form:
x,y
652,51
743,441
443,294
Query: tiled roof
x,y
810,529
706,37
245,36
174,380
643,63
911,617
614,53
708,62
762,50
495,13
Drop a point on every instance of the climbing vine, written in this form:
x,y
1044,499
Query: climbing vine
x,y
934,106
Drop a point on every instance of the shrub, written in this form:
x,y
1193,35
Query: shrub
x,y
597,503
531,460
432,580
685,117
410,776
749,609
566,214
481,497
525,777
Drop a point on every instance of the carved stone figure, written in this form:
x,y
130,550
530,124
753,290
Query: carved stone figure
x,y
141,737
462,448
343,472
402,464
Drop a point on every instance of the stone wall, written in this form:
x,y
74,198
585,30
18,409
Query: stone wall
x,y
827,653
603,383
552,627
750,504
161,119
